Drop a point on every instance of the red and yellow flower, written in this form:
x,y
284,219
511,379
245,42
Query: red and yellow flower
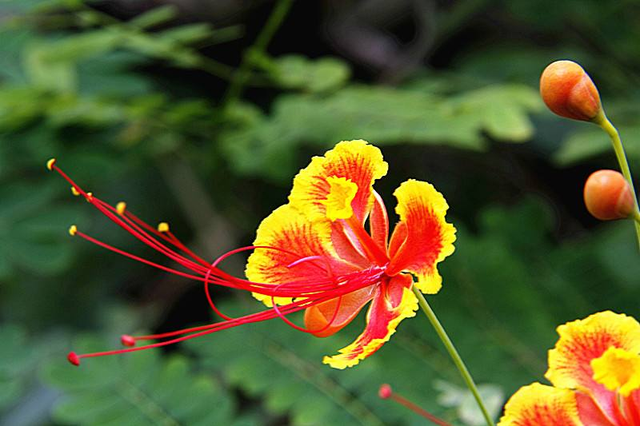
x,y
324,224
327,252
595,372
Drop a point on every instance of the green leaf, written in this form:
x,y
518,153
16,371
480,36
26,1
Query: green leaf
x,y
52,65
137,389
154,17
382,116
187,34
18,357
501,110
319,75
110,75
14,41
592,142
282,366
20,106
32,229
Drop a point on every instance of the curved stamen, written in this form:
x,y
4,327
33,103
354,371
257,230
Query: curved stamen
x,y
295,306
304,329
306,293
206,290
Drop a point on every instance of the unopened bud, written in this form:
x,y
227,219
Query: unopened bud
x,y
608,196
569,92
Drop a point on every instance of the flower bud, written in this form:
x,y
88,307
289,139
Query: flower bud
x,y
569,92
608,196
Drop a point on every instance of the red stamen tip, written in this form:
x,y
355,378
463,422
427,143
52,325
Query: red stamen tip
x,y
50,163
73,358
385,391
127,340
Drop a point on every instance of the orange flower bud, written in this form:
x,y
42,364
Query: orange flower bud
x,y
569,92
608,196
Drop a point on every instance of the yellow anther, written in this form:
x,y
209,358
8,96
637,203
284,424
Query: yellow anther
x,y
50,163
89,196
163,227
121,207
73,230
74,191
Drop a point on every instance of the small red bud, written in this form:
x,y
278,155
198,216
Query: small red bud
x,y
127,340
385,391
569,92
608,196
73,358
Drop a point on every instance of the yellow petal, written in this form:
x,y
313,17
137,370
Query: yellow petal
x,y
582,341
341,193
617,369
540,405
356,161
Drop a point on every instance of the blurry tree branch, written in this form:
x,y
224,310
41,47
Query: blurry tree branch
x,y
242,74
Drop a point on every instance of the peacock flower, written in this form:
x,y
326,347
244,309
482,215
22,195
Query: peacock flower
x,y
324,224
326,252
595,372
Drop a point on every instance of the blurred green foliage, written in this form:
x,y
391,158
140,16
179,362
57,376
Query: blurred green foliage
x,y
137,107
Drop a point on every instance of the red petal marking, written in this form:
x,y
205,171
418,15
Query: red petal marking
x,y
357,161
398,237
379,222
392,302
541,405
355,231
347,246
292,238
333,315
631,407
590,412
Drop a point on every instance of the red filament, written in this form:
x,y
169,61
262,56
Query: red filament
x,y
305,293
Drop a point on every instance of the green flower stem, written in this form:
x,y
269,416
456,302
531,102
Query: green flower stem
x,y
453,353
606,125
243,72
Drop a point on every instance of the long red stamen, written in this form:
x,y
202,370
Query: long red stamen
x,y
212,328
385,392
209,299
130,223
304,329
298,289
306,293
